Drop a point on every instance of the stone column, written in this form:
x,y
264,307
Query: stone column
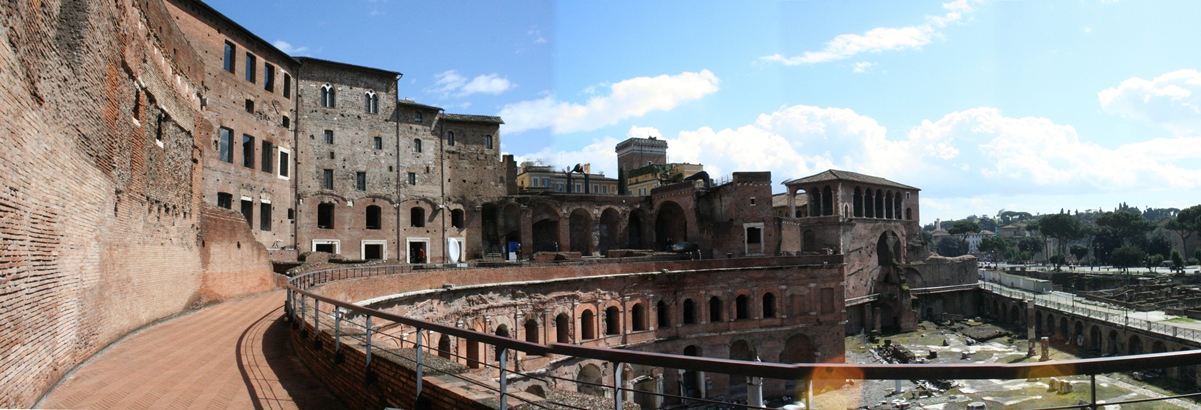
x,y
1031,332
791,203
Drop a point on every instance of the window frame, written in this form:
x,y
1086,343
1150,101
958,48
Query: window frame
x,y
251,67
360,180
327,179
377,142
287,86
248,148
328,136
268,156
269,77
265,216
225,200
283,171
225,142
488,142
231,57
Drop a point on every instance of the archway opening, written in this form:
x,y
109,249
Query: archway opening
x,y
769,305
742,307
590,381
531,331
607,231
563,328
612,321
580,229
444,346
634,229
670,225
740,350
587,325
715,310
637,318
689,312
546,229
662,315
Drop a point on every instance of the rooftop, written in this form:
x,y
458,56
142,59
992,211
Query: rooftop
x,y
837,175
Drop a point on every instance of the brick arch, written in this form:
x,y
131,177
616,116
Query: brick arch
x,y
579,230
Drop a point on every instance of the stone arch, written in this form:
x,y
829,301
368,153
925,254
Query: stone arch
x,y
490,229
636,229
827,201
1039,328
537,390
580,231
637,317
742,307
587,325
531,331
662,315
563,328
692,379
1015,314
888,205
510,228
1094,338
879,203
797,349
613,321
908,214
444,344
869,204
607,230
1063,327
1134,345
769,305
1112,342
671,224
545,228
740,350
502,331
1078,334
1159,347
716,310
590,380
896,206
689,312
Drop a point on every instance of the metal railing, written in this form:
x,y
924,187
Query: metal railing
x,y
349,320
1092,311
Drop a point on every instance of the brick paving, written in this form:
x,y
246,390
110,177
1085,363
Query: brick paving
x,y
233,355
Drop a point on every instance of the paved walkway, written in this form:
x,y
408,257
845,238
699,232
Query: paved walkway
x,y
234,355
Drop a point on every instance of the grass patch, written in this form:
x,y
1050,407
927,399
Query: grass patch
x,y
1181,320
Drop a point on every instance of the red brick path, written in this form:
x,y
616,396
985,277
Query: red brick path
x,y
233,355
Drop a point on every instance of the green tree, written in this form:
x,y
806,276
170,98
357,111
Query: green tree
x,y
1187,222
1030,245
1177,260
1063,227
1079,251
994,245
1154,261
1127,256
1035,227
964,227
1130,227
952,247
1159,245
1058,260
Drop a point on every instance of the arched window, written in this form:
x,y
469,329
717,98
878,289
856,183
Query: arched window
x,y
444,346
663,315
888,205
896,205
371,102
450,138
689,312
879,204
531,331
417,145
827,201
715,310
373,217
908,214
612,321
502,331
638,317
587,325
869,205
563,328
417,217
769,305
325,216
741,307
857,203
327,95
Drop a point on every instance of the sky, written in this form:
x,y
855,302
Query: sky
x,y
985,106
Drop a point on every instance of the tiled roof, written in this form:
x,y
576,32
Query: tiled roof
x,y
372,70
418,105
473,118
836,175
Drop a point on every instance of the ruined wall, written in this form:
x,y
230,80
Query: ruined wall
x,y
474,174
728,214
235,263
99,182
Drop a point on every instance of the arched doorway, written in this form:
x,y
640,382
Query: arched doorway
x,y
607,231
1134,346
671,226
546,229
444,346
1113,342
740,350
691,384
634,230
1094,338
491,229
510,226
580,228
590,381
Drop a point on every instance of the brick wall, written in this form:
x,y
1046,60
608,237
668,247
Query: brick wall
x,y
235,263
99,187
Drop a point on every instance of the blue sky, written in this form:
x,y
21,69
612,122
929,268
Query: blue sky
x,y
984,105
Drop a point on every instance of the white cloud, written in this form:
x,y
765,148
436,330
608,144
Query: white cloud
x,y
1172,101
881,38
975,153
627,99
861,67
288,48
452,83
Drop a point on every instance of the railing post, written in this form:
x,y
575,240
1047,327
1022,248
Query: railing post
x,y
367,366
337,331
316,323
302,302
288,305
617,399
419,372
504,403
1093,385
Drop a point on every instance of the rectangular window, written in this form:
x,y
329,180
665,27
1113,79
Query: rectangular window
x,y
267,156
283,164
247,151
230,52
559,187
250,106
577,188
546,182
287,85
265,217
827,295
360,180
268,77
329,136
251,63
248,211
595,189
377,143
412,178
225,200
488,142
226,145
327,179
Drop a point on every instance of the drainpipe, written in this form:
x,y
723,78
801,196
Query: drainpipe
x,y
442,185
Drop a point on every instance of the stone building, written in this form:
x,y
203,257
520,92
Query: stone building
x,y
874,223
634,153
532,178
